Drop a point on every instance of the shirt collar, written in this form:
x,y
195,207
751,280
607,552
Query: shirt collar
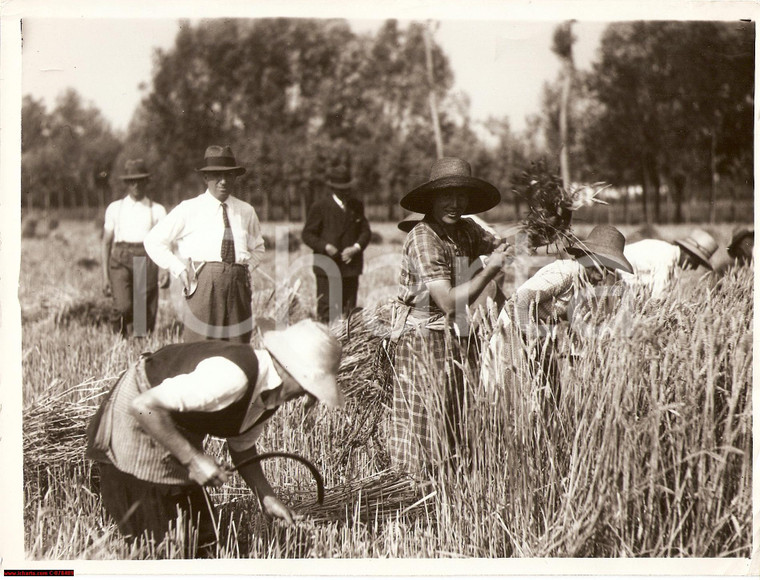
x,y
340,202
128,200
269,379
212,201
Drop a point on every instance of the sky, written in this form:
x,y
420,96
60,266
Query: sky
x,y
499,50
500,66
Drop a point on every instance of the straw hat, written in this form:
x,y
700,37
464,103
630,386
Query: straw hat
x,y
311,355
410,220
700,245
737,237
605,245
452,174
218,158
339,177
135,170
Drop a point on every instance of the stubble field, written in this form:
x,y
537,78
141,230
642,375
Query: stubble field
x,y
648,453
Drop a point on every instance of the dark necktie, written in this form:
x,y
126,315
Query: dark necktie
x,y
228,243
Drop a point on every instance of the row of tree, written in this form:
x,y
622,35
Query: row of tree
x,y
666,103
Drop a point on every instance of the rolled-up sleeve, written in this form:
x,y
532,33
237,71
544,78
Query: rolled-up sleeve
x,y
214,384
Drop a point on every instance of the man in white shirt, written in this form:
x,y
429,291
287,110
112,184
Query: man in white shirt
x,y
655,261
219,242
128,274
147,436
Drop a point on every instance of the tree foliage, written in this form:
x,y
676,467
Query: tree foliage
x,y
67,155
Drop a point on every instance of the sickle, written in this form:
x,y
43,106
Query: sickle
x,y
293,456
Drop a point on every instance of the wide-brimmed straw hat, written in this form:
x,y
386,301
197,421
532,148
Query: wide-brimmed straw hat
x,y
135,169
605,245
736,238
311,355
700,245
339,177
452,174
220,158
410,220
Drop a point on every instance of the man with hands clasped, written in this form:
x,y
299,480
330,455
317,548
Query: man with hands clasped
x,y
338,232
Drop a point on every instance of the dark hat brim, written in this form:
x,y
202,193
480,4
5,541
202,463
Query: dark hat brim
x,y
695,252
135,176
482,196
603,255
407,225
339,185
737,239
237,169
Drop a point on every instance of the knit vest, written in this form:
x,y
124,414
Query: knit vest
x,y
177,359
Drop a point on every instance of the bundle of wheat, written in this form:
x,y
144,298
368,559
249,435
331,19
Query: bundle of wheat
x,y
363,375
551,204
54,427
89,312
367,499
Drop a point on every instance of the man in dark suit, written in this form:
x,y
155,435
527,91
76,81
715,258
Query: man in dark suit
x,y
338,232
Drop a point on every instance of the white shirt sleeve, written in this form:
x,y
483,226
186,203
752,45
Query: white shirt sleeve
x,y
158,242
109,222
255,242
215,383
159,212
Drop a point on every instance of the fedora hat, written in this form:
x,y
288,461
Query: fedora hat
x,y
452,174
605,245
736,238
339,177
135,169
218,158
700,245
311,355
410,220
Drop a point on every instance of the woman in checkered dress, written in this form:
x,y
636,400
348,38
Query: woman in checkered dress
x,y
440,277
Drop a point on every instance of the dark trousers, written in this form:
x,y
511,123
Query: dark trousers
x,y
341,300
142,508
220,308
134,285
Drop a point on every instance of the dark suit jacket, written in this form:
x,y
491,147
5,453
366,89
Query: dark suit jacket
x,y
327,223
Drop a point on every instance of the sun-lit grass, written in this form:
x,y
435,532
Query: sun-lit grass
x,y
647,453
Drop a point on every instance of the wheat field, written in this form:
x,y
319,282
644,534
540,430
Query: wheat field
x,y
648,453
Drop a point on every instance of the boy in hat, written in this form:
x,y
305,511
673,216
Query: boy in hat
x,y
655,261
338,233
548,293
129,275
147,436
742,246
219,243
546,297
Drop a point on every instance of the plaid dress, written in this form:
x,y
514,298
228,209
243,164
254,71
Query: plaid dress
x,y
430,358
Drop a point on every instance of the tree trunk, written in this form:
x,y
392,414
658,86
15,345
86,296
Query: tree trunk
x,y
304,205
713,175
264,200
656,192
431,88
645,191
679,182
564,158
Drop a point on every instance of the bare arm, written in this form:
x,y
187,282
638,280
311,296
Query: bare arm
x,y
156,420
452,298
257,481
105,259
